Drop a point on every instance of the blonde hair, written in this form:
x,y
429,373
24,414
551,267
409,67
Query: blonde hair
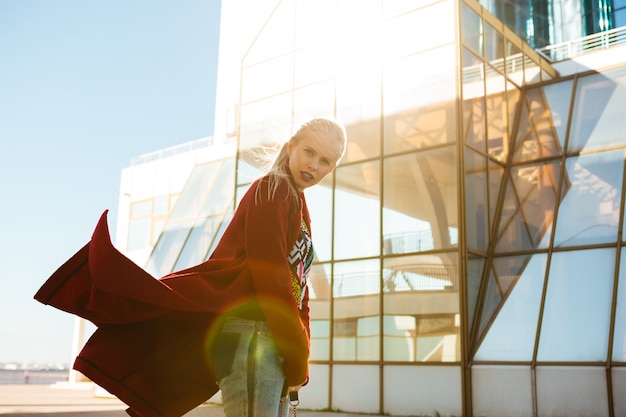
x,y
277,170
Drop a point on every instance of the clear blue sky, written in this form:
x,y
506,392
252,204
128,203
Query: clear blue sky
x,y
85,85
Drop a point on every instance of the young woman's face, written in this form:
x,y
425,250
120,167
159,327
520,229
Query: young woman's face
x,y
311,159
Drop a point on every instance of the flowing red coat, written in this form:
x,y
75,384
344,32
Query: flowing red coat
x,y
152,345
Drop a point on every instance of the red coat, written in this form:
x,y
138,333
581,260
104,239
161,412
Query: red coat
x,y
152,345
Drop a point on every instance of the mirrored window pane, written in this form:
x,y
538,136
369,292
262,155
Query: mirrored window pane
x,y
421,308
570,332
319,200
319,302
476,204
471,27
420,100
357,211
598,115
591,192
420,202
356,310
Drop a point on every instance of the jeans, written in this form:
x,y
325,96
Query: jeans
x,y
248,368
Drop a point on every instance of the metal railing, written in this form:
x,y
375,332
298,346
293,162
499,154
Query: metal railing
x,y
577,47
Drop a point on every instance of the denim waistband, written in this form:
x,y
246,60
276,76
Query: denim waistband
x,y
235,323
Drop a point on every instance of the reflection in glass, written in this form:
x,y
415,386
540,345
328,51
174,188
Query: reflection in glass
x,y
419,93
558,97
319,287
420,202
496,108
514,63
357,211
475,266
476,204
356,310
598,115
473,101
531,200
577,309
421,308
319,200
471,27
536,136
589,213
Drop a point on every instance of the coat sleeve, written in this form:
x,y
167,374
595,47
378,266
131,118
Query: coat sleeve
x,y
267,237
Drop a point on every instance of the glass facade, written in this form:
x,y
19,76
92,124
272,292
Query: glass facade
x,y
469,244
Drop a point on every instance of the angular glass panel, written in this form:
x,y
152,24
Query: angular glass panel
x,y
475,266
536,136
577,308
420,210
508,270
357,211
356,310
421,308
511,385
536,187
497,121
572,391
619,337
513,101
491,302
589,212
516,236
598,115
319,200
420,100
471,29
511,336
496,173
476,201
221,194
248,167
558,97
197,244
168,247
194,195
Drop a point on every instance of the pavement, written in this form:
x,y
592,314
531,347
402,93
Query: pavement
x,y
82,400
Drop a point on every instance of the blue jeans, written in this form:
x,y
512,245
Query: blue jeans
x,y
248,369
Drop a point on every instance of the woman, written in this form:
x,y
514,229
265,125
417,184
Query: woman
x,y
238,321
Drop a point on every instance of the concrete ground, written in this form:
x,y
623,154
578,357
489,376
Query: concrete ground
x,y
80,400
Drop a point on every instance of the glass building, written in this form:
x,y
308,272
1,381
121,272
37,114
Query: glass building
x,y
469,245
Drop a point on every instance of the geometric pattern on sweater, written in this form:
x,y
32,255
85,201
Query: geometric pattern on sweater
x,y
300,260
